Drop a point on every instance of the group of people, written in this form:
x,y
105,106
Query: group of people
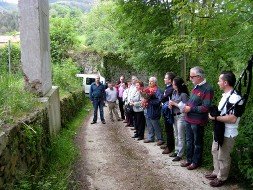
x,y
184,114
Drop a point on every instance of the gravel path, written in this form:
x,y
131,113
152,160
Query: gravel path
x,y
111,160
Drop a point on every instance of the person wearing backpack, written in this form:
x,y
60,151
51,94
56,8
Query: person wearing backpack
x,y
229,108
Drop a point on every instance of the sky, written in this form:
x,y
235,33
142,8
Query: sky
x,y
12,1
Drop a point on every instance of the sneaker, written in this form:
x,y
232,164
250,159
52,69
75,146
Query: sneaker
x,y
216,182
93,122
176,159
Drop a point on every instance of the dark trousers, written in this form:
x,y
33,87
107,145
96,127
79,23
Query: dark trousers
x,y
140,123
129,119
121,108
169,135
97,103
194,142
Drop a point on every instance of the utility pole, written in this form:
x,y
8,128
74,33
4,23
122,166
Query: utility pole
x,y
9,56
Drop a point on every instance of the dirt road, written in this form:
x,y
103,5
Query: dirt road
x,y
111,160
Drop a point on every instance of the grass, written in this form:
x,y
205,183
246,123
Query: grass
x,y
15,102
62,155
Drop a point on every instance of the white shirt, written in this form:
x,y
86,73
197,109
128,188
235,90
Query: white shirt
x,y
111,95
131,92
231,129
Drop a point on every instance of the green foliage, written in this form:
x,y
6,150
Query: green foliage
x,y
15,57
63,38
133,30
100,29
64,77
15,102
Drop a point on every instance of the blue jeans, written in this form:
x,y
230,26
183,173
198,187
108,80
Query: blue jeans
x,y
98,103
153,129
194,142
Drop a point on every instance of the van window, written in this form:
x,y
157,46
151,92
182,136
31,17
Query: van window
x,y
89,81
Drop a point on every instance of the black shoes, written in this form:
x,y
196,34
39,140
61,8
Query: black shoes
x,y
173,154
176,159
93,122
103,122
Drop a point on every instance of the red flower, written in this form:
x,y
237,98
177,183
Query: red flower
x,y
147,93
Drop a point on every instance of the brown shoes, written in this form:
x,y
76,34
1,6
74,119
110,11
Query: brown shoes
x,y
163,146
185,164
192,166
166,151
159,143
147,141
210,176
217,182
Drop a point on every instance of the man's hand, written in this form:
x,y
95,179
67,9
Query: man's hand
x,y
187,109
210,117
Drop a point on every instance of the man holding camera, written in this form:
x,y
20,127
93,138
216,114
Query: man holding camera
x,y
229,108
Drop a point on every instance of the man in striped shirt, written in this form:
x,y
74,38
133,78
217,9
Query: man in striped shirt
x,y
196,117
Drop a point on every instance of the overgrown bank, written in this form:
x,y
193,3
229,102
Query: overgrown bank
x,y
26,147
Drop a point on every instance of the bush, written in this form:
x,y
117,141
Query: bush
x,y
64,77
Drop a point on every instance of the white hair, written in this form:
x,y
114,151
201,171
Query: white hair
x,y
154,79
199,71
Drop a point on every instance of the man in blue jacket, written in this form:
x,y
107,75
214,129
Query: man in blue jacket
x,y
97,97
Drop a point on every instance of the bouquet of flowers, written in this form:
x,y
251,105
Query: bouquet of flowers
x,y
146,94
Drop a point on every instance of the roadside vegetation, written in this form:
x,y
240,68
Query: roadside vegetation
x,y
62,155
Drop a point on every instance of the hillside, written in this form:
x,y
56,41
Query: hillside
x,y
9,12
6,7
84,5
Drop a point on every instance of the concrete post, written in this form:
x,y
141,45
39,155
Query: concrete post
x,y
35,57
35,47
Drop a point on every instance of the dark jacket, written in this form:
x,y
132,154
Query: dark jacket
x,y
97,92
167,93
154,106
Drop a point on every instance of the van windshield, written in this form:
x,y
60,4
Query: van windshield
x,y
89,81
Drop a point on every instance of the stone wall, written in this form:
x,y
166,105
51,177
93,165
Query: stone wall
x,y
23,146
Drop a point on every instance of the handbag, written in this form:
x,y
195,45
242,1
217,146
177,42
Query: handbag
x,y
167,113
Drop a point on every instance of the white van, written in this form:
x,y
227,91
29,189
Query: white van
x,y
88,79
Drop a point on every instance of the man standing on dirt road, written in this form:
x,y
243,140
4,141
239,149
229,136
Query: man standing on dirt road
x,y
196,117
97,97
221,153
